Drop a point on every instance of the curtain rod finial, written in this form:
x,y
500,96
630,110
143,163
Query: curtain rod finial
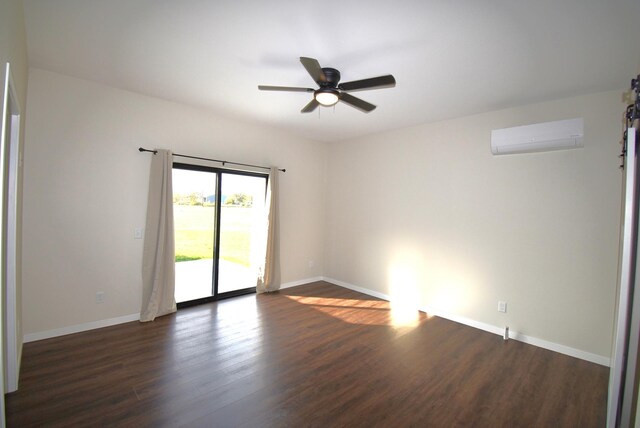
x,y
142,149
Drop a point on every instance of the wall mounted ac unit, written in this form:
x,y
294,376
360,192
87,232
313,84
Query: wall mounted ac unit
x,y
540,137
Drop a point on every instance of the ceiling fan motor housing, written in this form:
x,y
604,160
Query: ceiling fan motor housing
x,y
332,77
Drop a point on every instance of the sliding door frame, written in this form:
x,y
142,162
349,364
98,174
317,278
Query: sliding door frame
x,y
217,232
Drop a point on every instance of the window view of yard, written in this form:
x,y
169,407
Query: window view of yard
x,y
194,211
194,232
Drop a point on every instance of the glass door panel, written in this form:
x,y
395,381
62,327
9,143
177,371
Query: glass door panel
x,y
241,214
194,212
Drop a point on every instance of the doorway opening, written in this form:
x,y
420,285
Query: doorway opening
x,y
217,214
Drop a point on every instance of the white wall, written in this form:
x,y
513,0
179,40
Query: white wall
x,y
86,190
428,213
13,45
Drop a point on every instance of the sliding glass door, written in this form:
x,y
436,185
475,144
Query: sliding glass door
x,y
216,214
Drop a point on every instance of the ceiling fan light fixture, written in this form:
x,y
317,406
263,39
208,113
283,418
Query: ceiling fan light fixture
x,y
326,96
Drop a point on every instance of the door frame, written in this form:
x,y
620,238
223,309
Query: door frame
x,y
10,164
622,394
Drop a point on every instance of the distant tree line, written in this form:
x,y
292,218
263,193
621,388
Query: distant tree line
x,y
239,200
198,199
194,198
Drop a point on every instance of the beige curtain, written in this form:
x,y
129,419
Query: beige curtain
x,y
158,259
269,271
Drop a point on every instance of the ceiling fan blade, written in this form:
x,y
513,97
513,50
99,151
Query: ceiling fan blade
x,y
283,88
356,102
313,68
380,82
313,104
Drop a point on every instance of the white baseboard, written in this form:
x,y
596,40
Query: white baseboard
x,y
32,337
578,353
358,289
300,282
572,352
541,343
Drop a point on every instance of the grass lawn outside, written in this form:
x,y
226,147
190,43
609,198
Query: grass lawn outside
x,y
194,232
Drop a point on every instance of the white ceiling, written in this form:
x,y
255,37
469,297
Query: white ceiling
x,y
450,58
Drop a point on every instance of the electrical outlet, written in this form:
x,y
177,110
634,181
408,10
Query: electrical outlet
x,y
100,297
311,263
502,306
137,233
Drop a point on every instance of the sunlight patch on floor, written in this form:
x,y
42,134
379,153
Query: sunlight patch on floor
x,y
360,311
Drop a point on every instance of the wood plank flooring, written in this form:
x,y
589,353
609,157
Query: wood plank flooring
x,y
315,355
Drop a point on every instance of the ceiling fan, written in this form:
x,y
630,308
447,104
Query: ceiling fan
x,y
330,91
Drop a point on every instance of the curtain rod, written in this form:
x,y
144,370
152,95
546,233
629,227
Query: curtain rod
x,y
223,162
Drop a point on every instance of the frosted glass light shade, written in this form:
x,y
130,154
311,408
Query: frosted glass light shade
x,y
326,97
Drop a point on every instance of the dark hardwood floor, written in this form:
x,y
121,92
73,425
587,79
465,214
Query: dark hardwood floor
x,y
315,355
